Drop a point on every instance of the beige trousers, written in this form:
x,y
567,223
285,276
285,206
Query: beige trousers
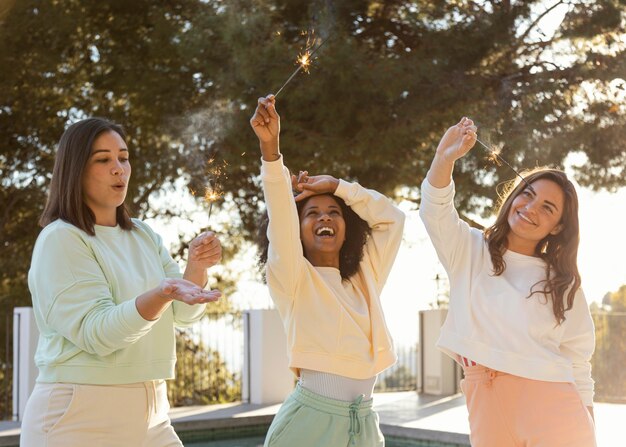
x,y
73,415
511,411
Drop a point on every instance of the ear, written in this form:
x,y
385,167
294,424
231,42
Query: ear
x,y
556,230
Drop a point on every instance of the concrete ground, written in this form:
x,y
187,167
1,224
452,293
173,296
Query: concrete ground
x,y
401,414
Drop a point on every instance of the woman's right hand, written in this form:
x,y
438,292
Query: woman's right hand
x,y
265,122
457,141
176,289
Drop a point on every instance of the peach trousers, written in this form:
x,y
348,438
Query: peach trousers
x,y
512,411
73,415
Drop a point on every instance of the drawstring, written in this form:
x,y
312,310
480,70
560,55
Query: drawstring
x,y
355,423
151,394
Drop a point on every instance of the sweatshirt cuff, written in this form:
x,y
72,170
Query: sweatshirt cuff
x,y
346,191
437,195
272,170
133,319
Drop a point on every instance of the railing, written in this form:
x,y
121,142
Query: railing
x,y
6,364
211,358
403,375
609,358
210,361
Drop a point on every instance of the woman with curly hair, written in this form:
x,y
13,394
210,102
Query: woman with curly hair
x,y
327,261
518,321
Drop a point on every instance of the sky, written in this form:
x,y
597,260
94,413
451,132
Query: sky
x,y
411,286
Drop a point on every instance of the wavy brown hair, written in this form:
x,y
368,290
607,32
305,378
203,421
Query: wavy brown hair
x,y
559,251
351,253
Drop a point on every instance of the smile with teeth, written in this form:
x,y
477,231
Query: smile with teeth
x,y
325,232
526,219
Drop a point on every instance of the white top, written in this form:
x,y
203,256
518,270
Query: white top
x,y
491,319
337,387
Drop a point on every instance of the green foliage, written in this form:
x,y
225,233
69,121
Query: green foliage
x,y
609,357
183,77
400,380
202,376
616,301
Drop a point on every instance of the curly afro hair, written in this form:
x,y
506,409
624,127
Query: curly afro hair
x,y
351,253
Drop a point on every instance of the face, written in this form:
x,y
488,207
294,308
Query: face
x,y
105,179
535,213
322,230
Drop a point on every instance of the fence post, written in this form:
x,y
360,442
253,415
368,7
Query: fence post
x,y
438,373
25,336
266,371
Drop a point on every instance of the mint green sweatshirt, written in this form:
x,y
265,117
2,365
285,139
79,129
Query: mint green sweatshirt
x,y
84,288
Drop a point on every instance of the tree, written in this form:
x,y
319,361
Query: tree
x,y
183,77
202,376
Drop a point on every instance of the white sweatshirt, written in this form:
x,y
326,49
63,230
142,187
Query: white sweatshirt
x,y
333,325
491,319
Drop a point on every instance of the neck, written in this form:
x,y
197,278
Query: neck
x,y
521,246
106,219
324,260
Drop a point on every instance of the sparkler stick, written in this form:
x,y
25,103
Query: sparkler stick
x,y
211,196
496,157
304,60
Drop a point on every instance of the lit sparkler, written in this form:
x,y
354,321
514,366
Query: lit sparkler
x,y
211,195
495,157
212,191
303,60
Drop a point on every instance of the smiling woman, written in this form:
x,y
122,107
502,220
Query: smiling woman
x,y
518,321
327,259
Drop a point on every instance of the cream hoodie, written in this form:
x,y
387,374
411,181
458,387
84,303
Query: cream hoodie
x,y
332,325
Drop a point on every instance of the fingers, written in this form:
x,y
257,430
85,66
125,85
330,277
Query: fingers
x,y
266,109
206,247
303,195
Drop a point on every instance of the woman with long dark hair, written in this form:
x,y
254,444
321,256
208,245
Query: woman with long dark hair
x,y
329,254
106,296
518,321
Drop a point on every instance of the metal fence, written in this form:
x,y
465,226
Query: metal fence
x,y
211,361
6,364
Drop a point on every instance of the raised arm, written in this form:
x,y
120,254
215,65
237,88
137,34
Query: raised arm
x,y
455,143
385,220
448,233
266,125
285,257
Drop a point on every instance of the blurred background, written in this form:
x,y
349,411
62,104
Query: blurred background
x,y
545,81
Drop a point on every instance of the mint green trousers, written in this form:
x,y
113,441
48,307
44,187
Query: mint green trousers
x,y
307,419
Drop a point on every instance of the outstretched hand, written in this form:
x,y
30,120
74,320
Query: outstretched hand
x,y
187,292
458,140
308,186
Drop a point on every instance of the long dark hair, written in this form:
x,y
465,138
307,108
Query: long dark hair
x,y
351,253
559,251
66,196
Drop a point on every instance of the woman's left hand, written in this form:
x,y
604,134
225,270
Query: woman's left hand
x,y
204,251
314,185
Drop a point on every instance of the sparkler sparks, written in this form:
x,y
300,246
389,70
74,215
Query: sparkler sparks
x,y
211,195
304,60
213,192
495,157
